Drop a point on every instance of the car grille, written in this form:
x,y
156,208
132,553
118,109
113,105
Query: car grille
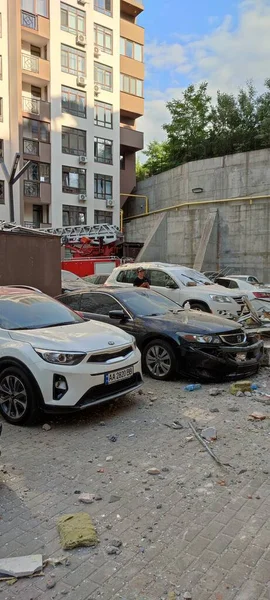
x,y
102,392
106,356
238,299
234,339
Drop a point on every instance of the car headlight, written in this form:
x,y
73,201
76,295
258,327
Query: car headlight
x,y
200,339
134,343
225,299
60,358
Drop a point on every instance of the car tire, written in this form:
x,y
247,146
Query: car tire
x,y
159,360
200,307
21,406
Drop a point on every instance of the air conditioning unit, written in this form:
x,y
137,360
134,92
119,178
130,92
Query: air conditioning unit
x,y
82,197
110,203
82,2
82,160
81,81
81,39
96,51
97,89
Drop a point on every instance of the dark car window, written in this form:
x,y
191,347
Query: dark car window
x,y
233,285
223,282
160,278
142,303
127,276
100,304
33,311
73,301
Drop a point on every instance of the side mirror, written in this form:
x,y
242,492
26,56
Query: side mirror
x,y
172,286
118,315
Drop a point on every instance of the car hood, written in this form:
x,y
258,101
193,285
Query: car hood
x,y
80,337
217,289
192,321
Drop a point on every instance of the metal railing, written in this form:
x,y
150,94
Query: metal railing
x,y
34,105
29,20
31,189
31,225
30,147
30,63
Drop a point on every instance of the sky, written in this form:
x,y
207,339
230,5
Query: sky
x,y
224,42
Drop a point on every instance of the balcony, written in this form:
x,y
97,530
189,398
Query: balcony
x,y
32,225
37,192
131,67
131,107
34,107
35,69
130,139
35,28
40,150
131,31
133,8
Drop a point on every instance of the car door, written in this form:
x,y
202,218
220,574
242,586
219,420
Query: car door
x,y
164,284
98,305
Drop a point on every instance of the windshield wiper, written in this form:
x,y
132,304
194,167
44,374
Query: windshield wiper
x,y
56,324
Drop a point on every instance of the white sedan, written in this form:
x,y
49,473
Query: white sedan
x,y
260,293
53,361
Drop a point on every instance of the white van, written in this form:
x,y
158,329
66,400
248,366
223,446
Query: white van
x,y
182,285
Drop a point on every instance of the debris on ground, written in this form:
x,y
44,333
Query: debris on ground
x,y
21,566
209,434
153,471
114,547
175,425
113,438
114,498
187,596
192,387
214,410
215,392
54,562
205,445
46,427
109,458
86,498
171,596
257,416
189,438
233,409
50,584
221,482
76,530
240,386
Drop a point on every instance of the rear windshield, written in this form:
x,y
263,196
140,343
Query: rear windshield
x,y
34,311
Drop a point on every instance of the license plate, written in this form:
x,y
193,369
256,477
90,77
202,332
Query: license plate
x,y
116,376
241,357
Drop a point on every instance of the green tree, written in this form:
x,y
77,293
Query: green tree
x,y
157,158
141,172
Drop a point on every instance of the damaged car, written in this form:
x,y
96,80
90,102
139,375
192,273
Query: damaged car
x,y
172,340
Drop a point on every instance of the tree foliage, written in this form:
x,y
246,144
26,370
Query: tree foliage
x,y
204,128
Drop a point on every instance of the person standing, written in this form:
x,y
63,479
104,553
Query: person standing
x,y
141,279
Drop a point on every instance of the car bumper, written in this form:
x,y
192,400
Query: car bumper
x,y
85,383
220,363
227,310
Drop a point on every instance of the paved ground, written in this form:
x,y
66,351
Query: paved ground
x,y
181,530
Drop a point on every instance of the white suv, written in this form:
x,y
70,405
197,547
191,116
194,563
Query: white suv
x,y
52,360
182,285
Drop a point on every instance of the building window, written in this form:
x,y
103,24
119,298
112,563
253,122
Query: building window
x,y
104,6
2,192
74,215
38,7
36,130
1,109
131,49
104,77
73,180
130,85
103,151
73,102
2,149
102,216
1,72
103,187
103,114
72,19
103,38
73,141
38,171
73,61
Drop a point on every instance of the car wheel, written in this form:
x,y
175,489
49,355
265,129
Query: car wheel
x,y
18,404
159,360
199,307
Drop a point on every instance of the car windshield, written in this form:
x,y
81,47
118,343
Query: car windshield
x,y
190,276
34,311
144,303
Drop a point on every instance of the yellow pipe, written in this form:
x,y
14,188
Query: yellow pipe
x,y
121,220
202,203
139,196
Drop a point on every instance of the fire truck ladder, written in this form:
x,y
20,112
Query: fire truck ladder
x,y
73,235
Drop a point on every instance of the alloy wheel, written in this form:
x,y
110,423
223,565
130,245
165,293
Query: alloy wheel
x,y
158,361
13,397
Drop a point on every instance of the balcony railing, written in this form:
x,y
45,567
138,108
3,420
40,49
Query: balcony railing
x,y
29,20
30,63
31,225
32,189
30,147
35,106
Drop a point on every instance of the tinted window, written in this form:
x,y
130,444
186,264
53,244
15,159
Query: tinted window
x,y
160,278
72,300
127,276
223,282
100,304
233,285
32,311
144,303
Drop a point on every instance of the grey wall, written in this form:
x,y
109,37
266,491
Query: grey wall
x,y
240,236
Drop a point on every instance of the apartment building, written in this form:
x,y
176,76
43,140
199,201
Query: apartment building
x,y
71,90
